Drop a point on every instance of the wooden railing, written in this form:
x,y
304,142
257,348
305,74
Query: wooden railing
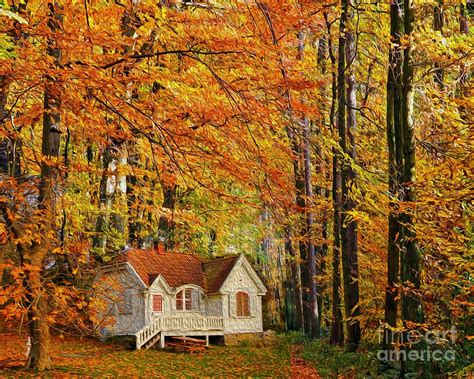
x,y
148,332
179,323
191,323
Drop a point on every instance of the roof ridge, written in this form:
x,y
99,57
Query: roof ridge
x,y
165,253
221,258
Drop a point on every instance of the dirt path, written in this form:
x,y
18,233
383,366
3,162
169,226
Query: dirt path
x,y
299,367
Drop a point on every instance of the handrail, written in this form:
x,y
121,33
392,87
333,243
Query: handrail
x,y
148,332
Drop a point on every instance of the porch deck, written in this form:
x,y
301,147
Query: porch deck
x,y
182,325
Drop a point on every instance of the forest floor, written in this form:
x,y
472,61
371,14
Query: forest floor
x,y
86,357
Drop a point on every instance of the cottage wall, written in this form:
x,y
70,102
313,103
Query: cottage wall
x,y
213,305
125,302
240,280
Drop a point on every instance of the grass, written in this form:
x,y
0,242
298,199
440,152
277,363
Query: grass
x,y
333,361
89,357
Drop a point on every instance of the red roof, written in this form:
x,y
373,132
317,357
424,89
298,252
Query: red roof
x,y
179,269
216,272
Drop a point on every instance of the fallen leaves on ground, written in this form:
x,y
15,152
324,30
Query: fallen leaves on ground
x,y
87,357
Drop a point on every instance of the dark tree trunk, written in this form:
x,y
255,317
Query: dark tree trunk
x,y
297,298
39,356
395,164
322,172
337,329
463,20
438,23
99,240
347,98
411,302
463,89
298,269
166,222
33,258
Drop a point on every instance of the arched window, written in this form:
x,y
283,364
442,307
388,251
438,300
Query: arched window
x,y
184,300
243,304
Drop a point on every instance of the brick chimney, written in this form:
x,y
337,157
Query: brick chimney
x,y
160,247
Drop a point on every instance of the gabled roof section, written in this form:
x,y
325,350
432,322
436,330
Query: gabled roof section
x,y
176,269
216,272
183,269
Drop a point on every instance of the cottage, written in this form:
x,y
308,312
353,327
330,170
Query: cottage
x,y
151,296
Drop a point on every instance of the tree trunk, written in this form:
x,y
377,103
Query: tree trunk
x,y
412,306
38,357
463,20
395,164
311,258
110,225
438,13
337,327
347,97
303,284
33,259
295,280
166,222
463,89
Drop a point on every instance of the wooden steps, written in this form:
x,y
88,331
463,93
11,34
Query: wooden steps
x,y
152,341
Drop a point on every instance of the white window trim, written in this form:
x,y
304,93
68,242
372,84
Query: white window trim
x,y
183,300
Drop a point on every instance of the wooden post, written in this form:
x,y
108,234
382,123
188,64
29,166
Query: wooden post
x,y
207,340
162,342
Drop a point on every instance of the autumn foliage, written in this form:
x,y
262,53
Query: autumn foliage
x,y
215,127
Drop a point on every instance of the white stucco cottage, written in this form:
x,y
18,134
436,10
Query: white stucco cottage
x,y
152,295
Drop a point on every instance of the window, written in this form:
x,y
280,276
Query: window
x,y
184,300
157,303
243,305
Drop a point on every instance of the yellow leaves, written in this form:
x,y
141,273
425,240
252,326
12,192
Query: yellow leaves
x,y
12,15
145,30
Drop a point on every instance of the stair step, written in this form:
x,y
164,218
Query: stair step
x,y
151,342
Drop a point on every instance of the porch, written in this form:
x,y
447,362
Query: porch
x,y
178,325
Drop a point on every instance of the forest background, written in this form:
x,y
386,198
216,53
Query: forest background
x,y
331,142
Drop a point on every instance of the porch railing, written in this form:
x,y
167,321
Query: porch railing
x,y
178,323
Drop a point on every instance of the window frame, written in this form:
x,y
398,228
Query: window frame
x,y
242,304
157,295
184,298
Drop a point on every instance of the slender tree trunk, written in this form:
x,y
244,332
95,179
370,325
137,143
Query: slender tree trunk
x,y
295,279
438,23
411,302
166,222
347,98
306,250
463,20
395,164
463,89
311,258
337,329
322,172
110,224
